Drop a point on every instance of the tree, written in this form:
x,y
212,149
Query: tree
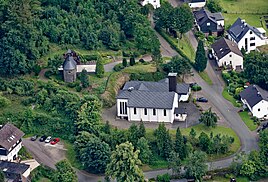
x,y
162,16
214,6
65,172
183,19
124,165
196,166
132,61
200,58
163,141
204,141
92,152
99,69
145,151
248,168
124,62
133,134
142,130
84,79
180,146
2,177
174,162
209,118
264,146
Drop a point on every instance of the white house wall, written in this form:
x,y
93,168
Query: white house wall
x,y
197,5
155,3
184,98
118,107
13,152
234,60
260,110
220,22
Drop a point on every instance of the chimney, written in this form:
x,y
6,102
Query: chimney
x,y
172,82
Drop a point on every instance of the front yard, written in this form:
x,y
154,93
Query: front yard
x,y
248,120
230,98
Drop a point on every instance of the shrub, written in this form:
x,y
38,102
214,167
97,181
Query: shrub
x,y
90,57
99,69
124,62
78,88
48,74
141,60
132,61
196,88
73,84
84,79
4,101
163,178
118,67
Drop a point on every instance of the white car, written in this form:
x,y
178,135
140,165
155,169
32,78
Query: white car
x,y
48,139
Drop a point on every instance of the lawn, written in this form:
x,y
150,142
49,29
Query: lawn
x,y
71,155
205,77
202,128
250,10
248,121
230,98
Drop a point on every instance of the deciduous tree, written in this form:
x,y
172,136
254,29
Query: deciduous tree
x,y
145,151
209,118
65,172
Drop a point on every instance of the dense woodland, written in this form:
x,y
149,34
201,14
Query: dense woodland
x,y
28,27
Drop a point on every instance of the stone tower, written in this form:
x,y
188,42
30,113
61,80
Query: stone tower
x,y
69,69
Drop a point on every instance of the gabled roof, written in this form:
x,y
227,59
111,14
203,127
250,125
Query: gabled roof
x,y
182,88
147,99
9,135
203,15
180,110
13,168
253,94
69,63
240,28
223,46
197,1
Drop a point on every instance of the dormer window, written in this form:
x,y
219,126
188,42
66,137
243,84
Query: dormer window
x,y
250,32
208,24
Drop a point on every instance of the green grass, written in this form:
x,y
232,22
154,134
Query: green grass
x,y
250,10
140,68
71,155
15,106
248,121
202,128
205,77
44,180
230,98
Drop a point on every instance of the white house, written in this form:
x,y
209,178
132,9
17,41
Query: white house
x,y
227,53
256,100
10,142
246,36
197,3
155,3
152,101
15,171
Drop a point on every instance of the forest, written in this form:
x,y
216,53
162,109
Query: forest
x,y
29,27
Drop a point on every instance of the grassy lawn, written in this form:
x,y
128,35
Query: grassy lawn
x,y
140,68
264,49
249,10
202,128
15,106
248,121
205,77
71,156
230,98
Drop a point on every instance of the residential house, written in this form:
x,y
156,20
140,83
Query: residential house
x,y
256,100
154,3
152,101
10,142
246,36
227,53
15,172
196,3
209,23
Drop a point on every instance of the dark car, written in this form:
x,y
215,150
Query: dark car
x,y
263,127
33,138
43,138
201,99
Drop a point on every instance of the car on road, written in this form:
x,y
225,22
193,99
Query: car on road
x,y
201,99
43,138
48,139
54,141
33,138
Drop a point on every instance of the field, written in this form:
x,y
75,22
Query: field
x,y
250,10
248,121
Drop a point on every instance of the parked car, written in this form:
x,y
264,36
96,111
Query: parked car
x,y
48,139
201,99
210,56
192,84
263,127
33,138
43,138
54,141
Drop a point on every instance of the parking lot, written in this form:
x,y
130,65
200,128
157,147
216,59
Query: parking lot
x,y
45,153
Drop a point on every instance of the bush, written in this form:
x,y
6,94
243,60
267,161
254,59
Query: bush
x,y
84,79
73,84
78,88
48,74
124,62
196,88
36,69
163,178
141,60
4,101
132,61
99,69
90,57
118,67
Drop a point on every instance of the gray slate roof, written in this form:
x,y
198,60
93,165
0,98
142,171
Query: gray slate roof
x,y
224,46
148,99
253,94
161,86
180,110
9,135
203,14
240,28
69,63
13,168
